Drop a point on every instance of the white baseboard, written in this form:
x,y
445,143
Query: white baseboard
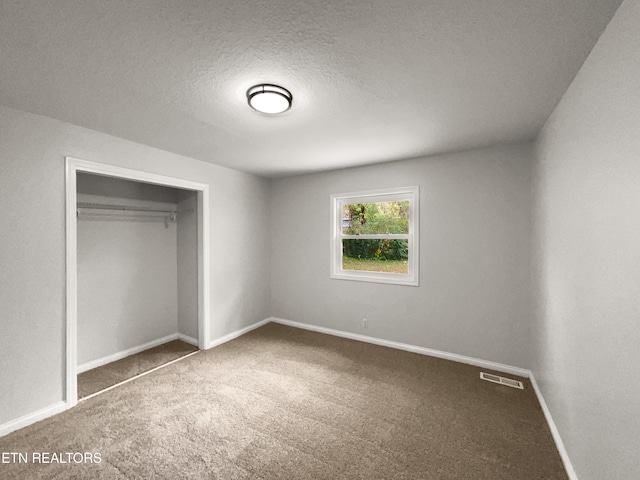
x,y
58,407
61,406
499,367
32,417
568,466
188,339
125,353
138,376
237,333
456,358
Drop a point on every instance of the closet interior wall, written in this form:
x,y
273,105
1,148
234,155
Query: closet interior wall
x,y
137,277
187,247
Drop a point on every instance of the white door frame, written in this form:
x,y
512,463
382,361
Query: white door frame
x,y
74,165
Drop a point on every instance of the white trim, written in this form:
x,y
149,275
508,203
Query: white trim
x,y
368,196
389,236
32,417
204,267
61,406
74,165
188,339
338,200
238,333
499,367
138,376
71,345
555,433
131,174
125,353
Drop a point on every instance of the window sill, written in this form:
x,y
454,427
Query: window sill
x,y
377,277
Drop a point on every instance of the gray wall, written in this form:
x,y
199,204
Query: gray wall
x,y
187,251
587,258
118,187
137,280
32,246
127,285
474,293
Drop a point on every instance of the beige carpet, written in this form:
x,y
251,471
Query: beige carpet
x,y
283,403
93,381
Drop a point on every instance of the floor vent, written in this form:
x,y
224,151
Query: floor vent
x,y
501,380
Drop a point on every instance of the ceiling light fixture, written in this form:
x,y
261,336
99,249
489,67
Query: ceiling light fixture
x,y
269,98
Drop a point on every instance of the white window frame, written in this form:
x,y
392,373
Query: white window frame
x,y
338,201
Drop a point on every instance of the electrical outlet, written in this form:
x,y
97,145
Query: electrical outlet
x,y
365,323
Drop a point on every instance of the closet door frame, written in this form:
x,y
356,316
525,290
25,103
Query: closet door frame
x,y
72,167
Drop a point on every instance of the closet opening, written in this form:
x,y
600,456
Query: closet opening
x,y
137,274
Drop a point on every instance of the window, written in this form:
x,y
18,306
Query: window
x,y
375,236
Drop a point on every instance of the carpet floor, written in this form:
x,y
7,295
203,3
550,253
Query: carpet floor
x,y
284,403
97,379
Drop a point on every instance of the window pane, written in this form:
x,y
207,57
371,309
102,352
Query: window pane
x,y
374,218
375,255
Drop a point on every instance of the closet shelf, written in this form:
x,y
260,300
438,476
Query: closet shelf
x,y
99,211
105,208
122,208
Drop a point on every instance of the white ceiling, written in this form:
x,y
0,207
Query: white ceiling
x,y
372,81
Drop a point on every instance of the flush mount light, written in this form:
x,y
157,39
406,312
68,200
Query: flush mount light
x,y
269,98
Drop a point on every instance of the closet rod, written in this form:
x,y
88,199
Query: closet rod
x,y
123,208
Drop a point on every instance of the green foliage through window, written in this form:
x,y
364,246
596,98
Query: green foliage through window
x,y
377,249
374,236
376,218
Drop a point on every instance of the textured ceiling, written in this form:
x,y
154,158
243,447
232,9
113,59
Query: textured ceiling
x,y
372,81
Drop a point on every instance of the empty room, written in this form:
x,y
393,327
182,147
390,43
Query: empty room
x,y
320,240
